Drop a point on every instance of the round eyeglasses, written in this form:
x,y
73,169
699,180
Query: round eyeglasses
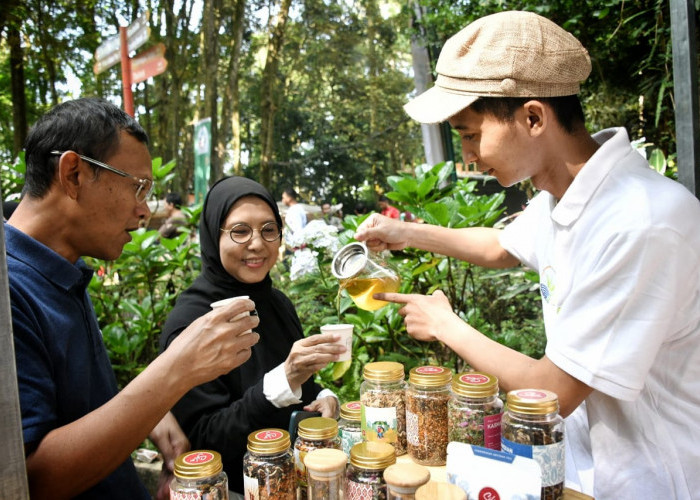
x,y
243,233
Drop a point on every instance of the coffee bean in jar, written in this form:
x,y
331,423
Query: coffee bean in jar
x,y
268,466
383,398
350,426
475,410
426,414
365,472
533,428
199,475
313,433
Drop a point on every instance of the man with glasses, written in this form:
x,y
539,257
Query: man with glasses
x,y
87,183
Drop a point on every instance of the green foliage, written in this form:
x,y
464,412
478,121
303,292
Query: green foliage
x,y
503,304
12,178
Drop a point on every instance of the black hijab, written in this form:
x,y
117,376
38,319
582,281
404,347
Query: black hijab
x,y
214,283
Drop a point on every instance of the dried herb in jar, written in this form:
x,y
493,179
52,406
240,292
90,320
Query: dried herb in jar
x,y
365,472
313,433
268,466
426,414
474,410
199,475
383,399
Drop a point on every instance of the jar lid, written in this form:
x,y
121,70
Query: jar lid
x,y
475,384
532,401
198,464
268,441
351,410
383,371
406,477
443,491
325,460
349,260
430,376
372,455
316,428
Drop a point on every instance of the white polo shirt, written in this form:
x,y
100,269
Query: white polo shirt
x,y
619,264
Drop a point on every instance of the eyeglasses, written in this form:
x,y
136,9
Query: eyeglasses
x,y
242,233
145,189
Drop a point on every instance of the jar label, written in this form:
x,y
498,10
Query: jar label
x,y
550,458
530,394
474,379
354,405
359,491
430,370
251,489
300,467
198,457
349,438
268,435
492,431
412,435
379,424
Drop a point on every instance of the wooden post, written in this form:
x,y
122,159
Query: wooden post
x,y
685,88
126,71
13,473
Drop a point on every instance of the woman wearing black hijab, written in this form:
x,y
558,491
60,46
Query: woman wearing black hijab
x,y
240,232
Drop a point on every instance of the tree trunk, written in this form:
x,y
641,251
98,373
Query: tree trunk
x,y
210,36
19,99
268,106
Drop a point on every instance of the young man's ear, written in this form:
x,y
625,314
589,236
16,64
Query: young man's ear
x,y
536,114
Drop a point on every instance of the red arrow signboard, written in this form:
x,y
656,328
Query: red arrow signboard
x,y
108,53
146,68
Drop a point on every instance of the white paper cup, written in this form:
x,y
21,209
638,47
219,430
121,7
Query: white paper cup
x,y
225,302
345,332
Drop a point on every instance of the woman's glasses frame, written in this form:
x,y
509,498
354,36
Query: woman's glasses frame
x,y
242,233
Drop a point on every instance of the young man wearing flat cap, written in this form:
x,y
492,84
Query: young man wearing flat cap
x,y
617,247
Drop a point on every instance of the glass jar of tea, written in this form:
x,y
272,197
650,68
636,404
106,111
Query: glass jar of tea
x,y
383,398
350,426
313,433
325,474
426,414
533,428
199,474
402,480
268,466
475,410
362,274
365,472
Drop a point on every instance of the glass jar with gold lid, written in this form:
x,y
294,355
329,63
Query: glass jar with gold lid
x,y
365,472
383,399
533,428
426,414
198,475
313,433
268,466
475,410
349,425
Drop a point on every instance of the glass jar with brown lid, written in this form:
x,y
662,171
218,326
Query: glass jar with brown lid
x,y
313,433
533,428
402,480
475,410
365,472
383,398
199,474
426,414
325,474
268,466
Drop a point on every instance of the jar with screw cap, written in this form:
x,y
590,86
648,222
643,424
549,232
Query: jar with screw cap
x,y
533,428
402,480
199,475
426,414
383,398
325,474
349,425
268,466
365,472
475,410
313,433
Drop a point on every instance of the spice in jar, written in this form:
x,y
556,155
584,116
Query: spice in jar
x,y
325,474
313,433
268,466
533,428
383,398
426,414
199,475
402,480
349,425
475,410
365,472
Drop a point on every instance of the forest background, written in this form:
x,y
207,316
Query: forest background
x,y
309,94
